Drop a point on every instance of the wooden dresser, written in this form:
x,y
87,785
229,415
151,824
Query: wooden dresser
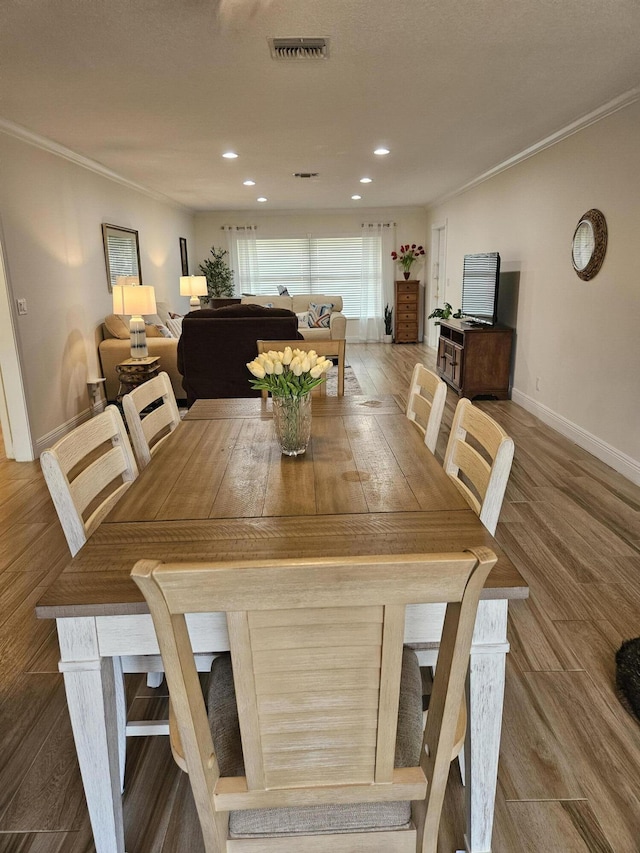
x,y
407,312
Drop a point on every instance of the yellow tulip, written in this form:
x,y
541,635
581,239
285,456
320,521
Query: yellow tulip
x,y
257,369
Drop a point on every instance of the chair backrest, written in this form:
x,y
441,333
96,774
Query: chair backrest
x,y
87,472
478,458
316,646
427,396
148,429
305,346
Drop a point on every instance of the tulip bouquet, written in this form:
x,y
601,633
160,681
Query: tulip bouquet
x,y
292,373
407,255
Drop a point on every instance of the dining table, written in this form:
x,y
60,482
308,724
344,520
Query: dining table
x,y
219,488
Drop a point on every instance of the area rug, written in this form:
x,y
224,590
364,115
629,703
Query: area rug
x,y
351,385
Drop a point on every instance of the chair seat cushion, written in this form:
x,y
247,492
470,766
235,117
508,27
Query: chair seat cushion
x,y
225,731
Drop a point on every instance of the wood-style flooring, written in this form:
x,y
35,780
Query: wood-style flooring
x,y
569,778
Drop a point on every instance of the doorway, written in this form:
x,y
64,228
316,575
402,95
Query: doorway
x,y
14,420
438,278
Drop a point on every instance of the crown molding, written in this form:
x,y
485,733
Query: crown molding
x,y
612,106
45,144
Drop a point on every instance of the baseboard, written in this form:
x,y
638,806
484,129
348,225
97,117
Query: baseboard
x,y
619,461
56,434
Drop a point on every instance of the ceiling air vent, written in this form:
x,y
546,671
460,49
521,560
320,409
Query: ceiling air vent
x,y
317,48
305,174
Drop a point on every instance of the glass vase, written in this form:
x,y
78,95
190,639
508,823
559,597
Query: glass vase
x,y
292,419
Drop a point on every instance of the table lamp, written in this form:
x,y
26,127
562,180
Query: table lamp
x,y
136,301
193,286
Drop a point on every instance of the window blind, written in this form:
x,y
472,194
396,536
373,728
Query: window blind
x,y
323,265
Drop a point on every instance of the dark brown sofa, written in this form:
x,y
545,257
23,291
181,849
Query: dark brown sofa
x,y
216,345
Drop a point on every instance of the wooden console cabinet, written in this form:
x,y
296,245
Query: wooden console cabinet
x,y
408,304
475,360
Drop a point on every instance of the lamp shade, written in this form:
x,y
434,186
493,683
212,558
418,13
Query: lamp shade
x,y
193,285
134,300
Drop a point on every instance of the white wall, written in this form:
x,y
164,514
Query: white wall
x,y
51,211
411,227
580,339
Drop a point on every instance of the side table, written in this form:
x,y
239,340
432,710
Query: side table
x,y
135,371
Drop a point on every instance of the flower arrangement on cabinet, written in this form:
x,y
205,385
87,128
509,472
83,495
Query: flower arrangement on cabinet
x,y
292,373
407,256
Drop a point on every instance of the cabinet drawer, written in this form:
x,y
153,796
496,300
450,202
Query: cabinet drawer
x,y
404,298
406,287
406,315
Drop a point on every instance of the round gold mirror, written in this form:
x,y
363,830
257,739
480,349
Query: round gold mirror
x,y
589,244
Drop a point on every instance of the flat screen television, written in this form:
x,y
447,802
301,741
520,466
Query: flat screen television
x,y
480,279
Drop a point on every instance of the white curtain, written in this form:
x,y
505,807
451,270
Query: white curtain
x,y
246,277
378,239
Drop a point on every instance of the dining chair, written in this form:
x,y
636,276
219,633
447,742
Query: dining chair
x,y
148,427
427,396
87,472
327,348
478,459
312,739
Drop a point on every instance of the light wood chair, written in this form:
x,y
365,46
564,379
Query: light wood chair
x,y
149,431
478,459
306,730
87,472
427,396
327,348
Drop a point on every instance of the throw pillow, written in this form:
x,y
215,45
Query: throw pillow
x,y
319,315
164,331
174,324
283,291
268,305
173,316
303,319
116,326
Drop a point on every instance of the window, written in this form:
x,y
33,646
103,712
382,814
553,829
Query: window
x,y
324,265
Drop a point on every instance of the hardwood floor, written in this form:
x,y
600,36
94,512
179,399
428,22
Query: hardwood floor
x,y
570,757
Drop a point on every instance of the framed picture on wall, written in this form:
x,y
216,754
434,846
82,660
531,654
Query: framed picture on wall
x,y
183,255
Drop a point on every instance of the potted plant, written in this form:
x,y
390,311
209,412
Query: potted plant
x,y
444,313
406,257
219,276
388,324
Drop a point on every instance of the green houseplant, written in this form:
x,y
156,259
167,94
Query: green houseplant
x,y
444,313
218,274
388,323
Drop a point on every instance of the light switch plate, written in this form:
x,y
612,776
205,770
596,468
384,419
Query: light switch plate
x,y
22,306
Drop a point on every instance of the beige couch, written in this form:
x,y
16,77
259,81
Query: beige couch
x,y
116,347
300,305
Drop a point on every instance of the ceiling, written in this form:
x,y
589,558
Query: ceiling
x,y
158,90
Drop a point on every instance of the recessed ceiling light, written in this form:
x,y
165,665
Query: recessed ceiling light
x,y
262,198
249,183
381,151
356,197
365,180
230,155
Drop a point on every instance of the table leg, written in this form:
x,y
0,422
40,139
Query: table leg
x,y
485,693
95,697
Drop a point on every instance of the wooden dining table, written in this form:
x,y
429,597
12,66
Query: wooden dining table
x,y
219,488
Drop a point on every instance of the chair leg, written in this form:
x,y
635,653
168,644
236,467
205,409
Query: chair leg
x,y
154,679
